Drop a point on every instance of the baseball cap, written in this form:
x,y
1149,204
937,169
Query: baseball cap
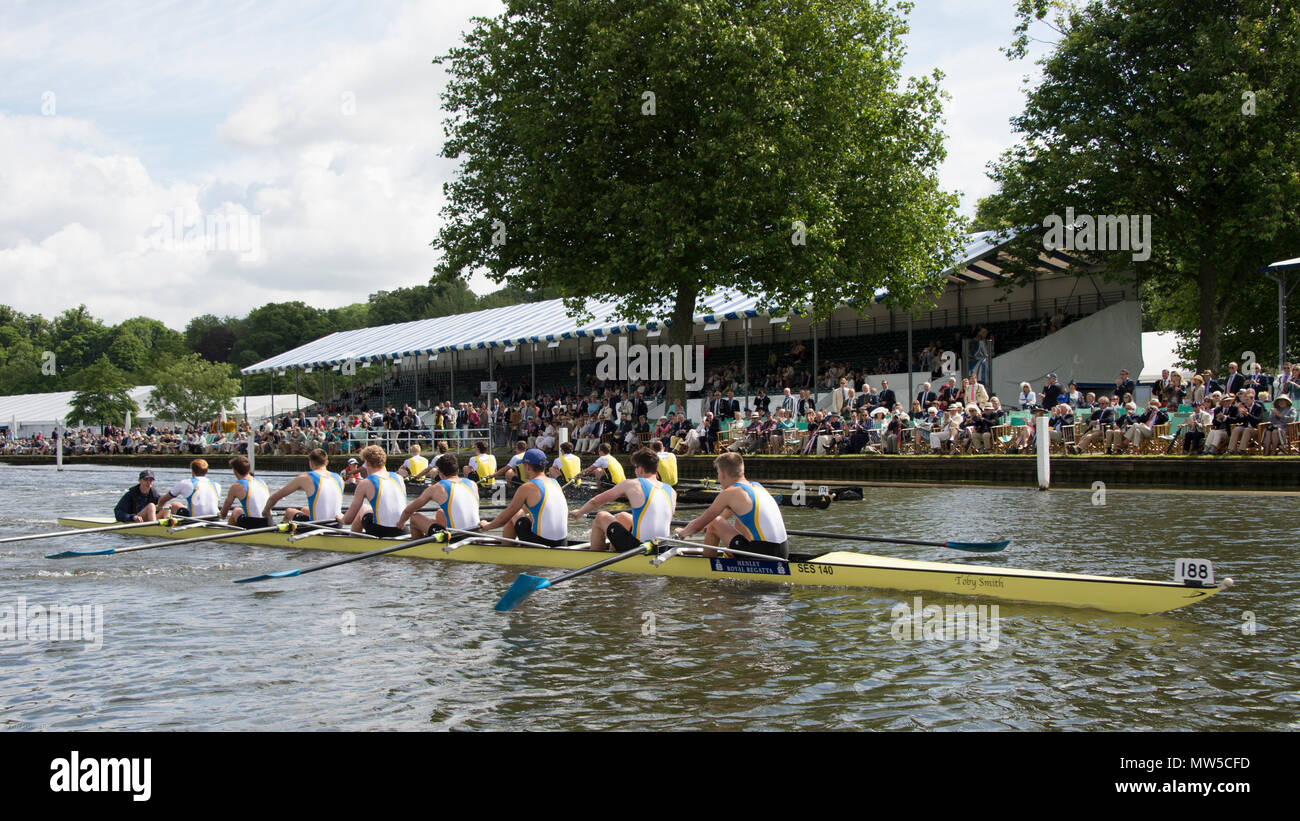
x,y
535,457
146,474
352,461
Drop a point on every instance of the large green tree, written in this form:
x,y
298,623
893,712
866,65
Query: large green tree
x,y
193,390
655,151
1181,110
103,395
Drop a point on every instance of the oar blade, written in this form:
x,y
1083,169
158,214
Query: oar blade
x,y
978,547
523,587
283,574
68,554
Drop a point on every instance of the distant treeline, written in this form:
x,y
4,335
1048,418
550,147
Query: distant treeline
x,y
39,355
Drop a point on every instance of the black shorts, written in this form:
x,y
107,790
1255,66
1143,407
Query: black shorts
x,y
250,522
524,533
368,526
620,537
776,551
183,512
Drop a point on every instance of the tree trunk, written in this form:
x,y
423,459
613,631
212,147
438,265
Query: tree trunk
x,y
681,332
1213,315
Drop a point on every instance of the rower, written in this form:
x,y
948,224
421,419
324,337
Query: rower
x,y
568,467
508,472
377,501
543,522
250,492
324,492
455,496
759,526
652,502
140,502
414,468
482,465
608,469
352,472
667,463
196,496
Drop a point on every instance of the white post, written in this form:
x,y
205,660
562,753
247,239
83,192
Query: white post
x,y
127,426
252,449
59,432
1044,451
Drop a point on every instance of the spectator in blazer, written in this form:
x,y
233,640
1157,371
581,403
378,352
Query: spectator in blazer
x,y
1249,416
1235,383
927,397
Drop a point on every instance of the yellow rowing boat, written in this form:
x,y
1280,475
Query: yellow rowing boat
x,y
834,569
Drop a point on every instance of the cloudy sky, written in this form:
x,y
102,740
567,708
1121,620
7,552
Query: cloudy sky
x,y
309,131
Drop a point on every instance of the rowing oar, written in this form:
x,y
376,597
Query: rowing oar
x,y
524,585
973,547
288,527
164,522
440,536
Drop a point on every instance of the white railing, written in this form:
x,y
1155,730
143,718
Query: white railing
x,y
400,441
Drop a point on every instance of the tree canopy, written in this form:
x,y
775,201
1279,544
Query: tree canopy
x,y
102,395
1183,112
193,390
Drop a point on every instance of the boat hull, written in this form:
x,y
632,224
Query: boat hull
x,y
834,569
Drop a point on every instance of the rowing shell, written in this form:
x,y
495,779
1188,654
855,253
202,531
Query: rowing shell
x,y
834,569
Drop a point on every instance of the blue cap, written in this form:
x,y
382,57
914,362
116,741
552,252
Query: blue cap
x,y
535,457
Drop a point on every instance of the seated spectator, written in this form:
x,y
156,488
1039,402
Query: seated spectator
x,y
1195,428
1274,431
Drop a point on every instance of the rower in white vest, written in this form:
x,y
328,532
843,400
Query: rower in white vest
x,y
195,496
247,497
651,500
379,499
536,511
759,526
456,497
324,492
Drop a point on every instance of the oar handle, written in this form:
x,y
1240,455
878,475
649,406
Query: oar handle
x,y
723,549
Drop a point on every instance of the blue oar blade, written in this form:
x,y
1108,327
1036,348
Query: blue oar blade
x,y
520,590
978,547
283,574
68,554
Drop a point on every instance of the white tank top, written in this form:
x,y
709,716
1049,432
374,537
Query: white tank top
x,y
255,496
326,499
461,507
389,499
550,515
653,519
203,499
763,522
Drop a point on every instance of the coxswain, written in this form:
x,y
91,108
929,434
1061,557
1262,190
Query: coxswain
x,y
567,467
759,526
651,500
667,463
352,472
607,469
536,511
195,496
324,492
379,499
455,496
247,498
140,502
414,468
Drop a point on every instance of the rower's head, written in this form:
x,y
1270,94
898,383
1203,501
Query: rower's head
x,y
566,447
415,450
603,449
241,467
481,446
730,467
447,465
374,457
521,446
645,463
657,446
146,480
534,463
199,467
318,459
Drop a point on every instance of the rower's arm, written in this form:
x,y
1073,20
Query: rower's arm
x,y
231,498
415,506
359,497
602,499
516,504
287,490
721,504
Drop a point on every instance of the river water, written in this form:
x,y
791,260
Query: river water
x,y
402,644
